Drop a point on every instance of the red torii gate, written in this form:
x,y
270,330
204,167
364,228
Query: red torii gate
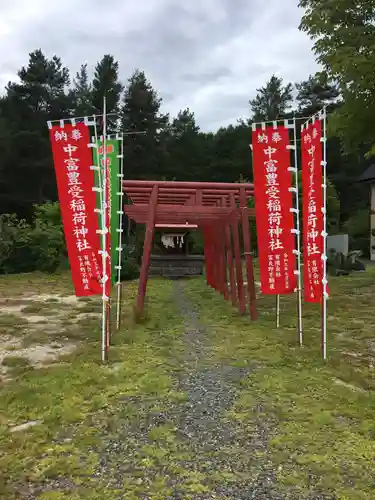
x,y
218,210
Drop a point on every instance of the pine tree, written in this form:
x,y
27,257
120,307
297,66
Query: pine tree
x,y
272,101
145,150
41,95
184,148
82,93
315,93
231,154
106,83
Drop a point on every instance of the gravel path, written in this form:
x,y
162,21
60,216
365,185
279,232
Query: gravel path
x,y
219,457
211,390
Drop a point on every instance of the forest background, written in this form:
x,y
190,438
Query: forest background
x,y
174,148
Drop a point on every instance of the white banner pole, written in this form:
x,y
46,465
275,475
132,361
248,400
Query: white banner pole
x,y
105,299
121,230
324,256
298,234
101,211
277,311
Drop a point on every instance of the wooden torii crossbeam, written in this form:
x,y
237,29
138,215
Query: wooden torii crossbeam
x,y
219,210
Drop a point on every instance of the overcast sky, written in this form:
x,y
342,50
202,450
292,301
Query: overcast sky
x,y
208,55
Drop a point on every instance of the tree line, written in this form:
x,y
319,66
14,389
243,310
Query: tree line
x,y
175,147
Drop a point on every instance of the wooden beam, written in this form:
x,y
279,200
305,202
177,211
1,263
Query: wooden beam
x,y
146,257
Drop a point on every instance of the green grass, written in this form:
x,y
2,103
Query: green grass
x,y
12,324
79,400
37,337
325,412
18,285
33,308
16,365
9,320
320,415
15,361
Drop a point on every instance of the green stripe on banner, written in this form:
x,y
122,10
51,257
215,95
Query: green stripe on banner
x,y
112,146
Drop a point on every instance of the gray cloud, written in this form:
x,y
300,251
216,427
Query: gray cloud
x,y
207,76
208,55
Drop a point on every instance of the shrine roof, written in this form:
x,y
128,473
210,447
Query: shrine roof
x,y
368,175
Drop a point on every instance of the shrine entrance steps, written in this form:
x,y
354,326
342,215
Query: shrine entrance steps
x,y
176,266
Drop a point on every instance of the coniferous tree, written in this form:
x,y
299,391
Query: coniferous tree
x,y
158,148
40,95
231,158
145,149
183,138
106,83
316,92
82,93
272,101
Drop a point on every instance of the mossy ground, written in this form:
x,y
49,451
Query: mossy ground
x,y
79,399
320,415
325,437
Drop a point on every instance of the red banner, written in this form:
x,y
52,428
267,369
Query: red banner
x,y
75,180
313,217
273,204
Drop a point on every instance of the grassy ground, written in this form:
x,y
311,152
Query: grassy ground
x,y
319,417
77,400
325,436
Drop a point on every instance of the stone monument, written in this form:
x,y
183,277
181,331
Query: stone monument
x,y
369,177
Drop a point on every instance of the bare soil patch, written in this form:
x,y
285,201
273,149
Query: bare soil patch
x,y
40,328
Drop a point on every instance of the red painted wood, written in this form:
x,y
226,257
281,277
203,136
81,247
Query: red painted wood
x,y
223,254
248,259
218,259
215,267
146,257
237,260
206,259
169,214
232,275
210,272
191,185
213,208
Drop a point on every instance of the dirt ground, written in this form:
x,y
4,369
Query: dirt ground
x,y
39,329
